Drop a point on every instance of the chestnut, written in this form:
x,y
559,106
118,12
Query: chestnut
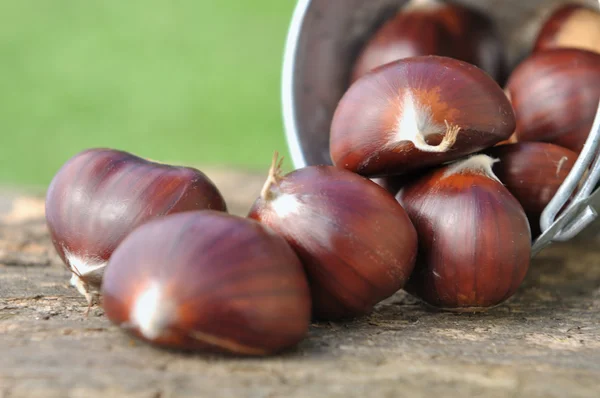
x,y
474,237
532,172
555,95
356,242
433,27
418,112
570,25
208,281
100,195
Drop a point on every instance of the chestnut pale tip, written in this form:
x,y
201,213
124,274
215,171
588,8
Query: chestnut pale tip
x,y
479,164
424,4
416,123
84,269
152,312
474,164
283,204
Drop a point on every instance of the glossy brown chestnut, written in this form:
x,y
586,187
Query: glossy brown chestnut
x,y
570,26
474,238
532,172
100,195
356,242
208,281
555,95
418,112
433,27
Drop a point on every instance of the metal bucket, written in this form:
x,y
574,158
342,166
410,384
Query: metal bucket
x,y
323,39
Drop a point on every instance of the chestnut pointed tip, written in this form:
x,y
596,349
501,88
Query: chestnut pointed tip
x,y
478,164
86,275
273,177
91,294
82,266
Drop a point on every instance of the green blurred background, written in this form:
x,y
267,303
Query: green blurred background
x,y
186,81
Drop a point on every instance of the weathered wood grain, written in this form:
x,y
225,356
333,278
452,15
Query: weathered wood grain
x,y
544,343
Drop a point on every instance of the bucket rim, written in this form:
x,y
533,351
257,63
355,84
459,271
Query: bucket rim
x,y
288,84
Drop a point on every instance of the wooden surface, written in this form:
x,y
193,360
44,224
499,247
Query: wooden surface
x,y
544,343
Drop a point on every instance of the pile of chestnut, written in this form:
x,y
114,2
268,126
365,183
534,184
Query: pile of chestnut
x,y
439,175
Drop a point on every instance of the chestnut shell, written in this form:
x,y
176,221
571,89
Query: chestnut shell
x,y
377,122
570,26
532,172
356,242
474,237
408,34
208,281
445,29
555,95
100,195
